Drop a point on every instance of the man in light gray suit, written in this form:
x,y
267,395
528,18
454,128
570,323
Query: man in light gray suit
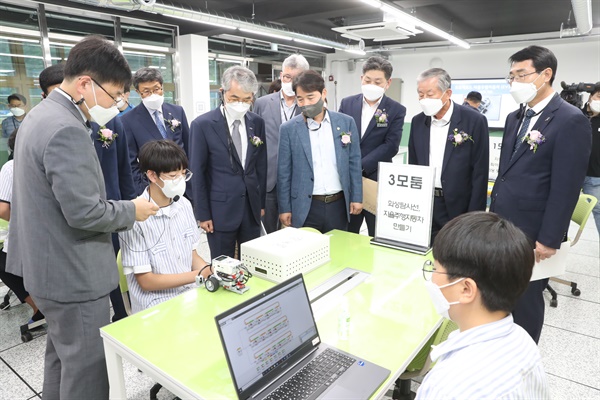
x,y
274,109
319,176
61,221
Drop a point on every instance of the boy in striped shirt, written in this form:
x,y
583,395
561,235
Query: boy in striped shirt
x,y
482,264
159,256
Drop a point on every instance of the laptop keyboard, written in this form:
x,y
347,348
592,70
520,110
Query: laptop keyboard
x,y
315,377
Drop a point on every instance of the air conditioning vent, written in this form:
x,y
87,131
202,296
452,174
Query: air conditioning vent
x,y
379,31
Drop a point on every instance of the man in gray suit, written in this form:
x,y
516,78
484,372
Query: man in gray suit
x,y
275,109
61,220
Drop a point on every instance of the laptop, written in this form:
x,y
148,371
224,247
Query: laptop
x,y
274,351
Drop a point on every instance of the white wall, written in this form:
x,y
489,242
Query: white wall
x,y
578,61
194,76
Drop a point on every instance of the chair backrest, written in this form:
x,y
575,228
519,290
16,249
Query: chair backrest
x,y
123,284
422,362
309,229
582,212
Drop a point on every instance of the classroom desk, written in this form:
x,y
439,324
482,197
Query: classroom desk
x,y
177,344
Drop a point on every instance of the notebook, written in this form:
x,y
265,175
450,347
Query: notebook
x,y
272,346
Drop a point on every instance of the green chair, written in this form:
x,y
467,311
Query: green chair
x,y
123,285
582,212
421,364
309,229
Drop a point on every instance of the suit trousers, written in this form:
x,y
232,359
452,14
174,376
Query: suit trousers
x,y
529,311
224,242
327,216
271,218
440,217
357,220
75,366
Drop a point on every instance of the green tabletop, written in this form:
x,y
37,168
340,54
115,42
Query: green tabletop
x,y
390,318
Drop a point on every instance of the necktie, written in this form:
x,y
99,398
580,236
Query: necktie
x,y
160,125
237,138
530,113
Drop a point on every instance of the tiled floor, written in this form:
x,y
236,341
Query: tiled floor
x,y
570,343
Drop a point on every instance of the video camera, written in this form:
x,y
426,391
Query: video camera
x,y
572,93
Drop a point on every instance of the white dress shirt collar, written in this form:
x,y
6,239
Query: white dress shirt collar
x,y
68,97
445,118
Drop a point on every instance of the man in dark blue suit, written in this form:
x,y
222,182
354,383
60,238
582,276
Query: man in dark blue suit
x,y
543,161
455,140
228,157
379,120
153,119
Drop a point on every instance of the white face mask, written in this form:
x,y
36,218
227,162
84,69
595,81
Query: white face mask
x,y
99,114
372,92
595,106
173,188
16,111
120,104
286,87
431,106
237,110
154,101
437,297
524,92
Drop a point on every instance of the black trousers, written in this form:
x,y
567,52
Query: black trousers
x,y
14,282
271,217
529,311
224,242
327,216
357,220
440,216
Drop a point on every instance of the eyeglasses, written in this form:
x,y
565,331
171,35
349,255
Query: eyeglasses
x,y
148,92
286,78
115,100
518,78
187,175
429,270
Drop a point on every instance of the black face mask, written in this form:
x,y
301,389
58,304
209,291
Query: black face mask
x,y
313,110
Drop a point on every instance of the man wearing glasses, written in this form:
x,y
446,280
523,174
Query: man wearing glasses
x,y
153,119
228,157
545,151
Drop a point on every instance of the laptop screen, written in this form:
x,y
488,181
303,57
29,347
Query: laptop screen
x,y
265,335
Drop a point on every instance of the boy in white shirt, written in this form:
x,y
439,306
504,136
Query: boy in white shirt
x,y
483,263
159,258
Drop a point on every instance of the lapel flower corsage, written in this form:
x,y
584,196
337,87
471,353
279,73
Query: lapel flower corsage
x,y
457,138
381,118
256,141
534,139
173,123
107,136
346,138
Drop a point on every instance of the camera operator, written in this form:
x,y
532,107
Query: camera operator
x,y
591,184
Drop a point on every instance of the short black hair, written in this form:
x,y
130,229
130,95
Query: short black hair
x,y
492,251
377,63
11,140
309,81
275,86
53,75
146,74
98,58
540,57
17,96
474,96
162,156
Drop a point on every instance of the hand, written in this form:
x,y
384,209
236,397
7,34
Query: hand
x,y
262,212
207,226
355,208
144,208
542,252
286,219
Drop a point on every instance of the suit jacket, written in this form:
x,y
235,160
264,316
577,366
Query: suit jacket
x,y
379,143
115,163
220,184
60,219
140,128
538,191
269,108
465,167
295,175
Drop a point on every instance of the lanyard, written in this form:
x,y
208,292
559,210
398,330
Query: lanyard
x,y
283,107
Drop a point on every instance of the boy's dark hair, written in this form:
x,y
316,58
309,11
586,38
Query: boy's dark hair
x,y
162,156
98,58
146,74
378,64
490,250
540,57
474,96
309,81
17,96
11,140
275,86
53,75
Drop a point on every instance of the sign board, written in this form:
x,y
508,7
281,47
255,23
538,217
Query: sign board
x,y
495,148
404,207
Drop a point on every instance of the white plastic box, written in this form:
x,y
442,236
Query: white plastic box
x,y
285,253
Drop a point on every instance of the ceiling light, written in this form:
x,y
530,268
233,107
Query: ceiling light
x,y
312,43
269,34
373,3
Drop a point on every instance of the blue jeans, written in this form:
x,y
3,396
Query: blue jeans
x,y
591,185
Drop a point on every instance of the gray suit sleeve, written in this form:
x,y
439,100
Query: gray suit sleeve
x,y
75,178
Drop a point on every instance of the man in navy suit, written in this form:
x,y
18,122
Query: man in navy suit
x,y
543,161
319,181
455,140
153,119
379,120
228,157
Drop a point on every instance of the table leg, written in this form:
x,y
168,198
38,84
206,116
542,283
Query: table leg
x,y
114,366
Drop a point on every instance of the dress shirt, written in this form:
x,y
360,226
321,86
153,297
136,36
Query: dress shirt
x,y
538,108
367,114
327,177
438,136
162,244
243,133
83,117
6,184
498,360
287,112
9,124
